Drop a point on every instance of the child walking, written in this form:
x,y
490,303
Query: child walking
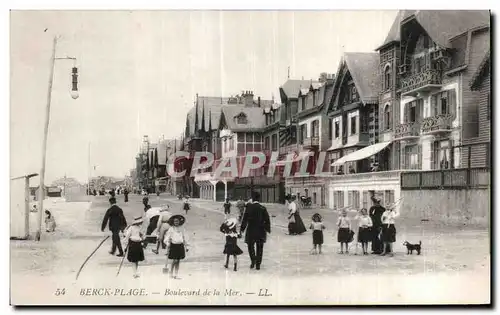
x,y
134,238
343,235
317,226
231,247
177,244
186,206
364,231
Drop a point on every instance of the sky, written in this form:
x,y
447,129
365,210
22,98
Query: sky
x,y
140,71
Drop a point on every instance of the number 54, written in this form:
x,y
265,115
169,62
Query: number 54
x,y
60,292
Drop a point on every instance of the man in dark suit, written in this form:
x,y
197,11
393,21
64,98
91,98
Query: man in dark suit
x,y
256,218
375,213
117,223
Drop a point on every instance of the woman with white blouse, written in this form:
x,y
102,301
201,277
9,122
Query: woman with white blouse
x,y
389,229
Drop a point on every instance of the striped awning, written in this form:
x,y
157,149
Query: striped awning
x,y
362,154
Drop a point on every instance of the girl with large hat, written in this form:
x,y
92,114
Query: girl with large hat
x,y
231,248
177,244
134,238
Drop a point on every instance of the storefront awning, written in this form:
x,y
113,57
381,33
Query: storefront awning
x,y
362,154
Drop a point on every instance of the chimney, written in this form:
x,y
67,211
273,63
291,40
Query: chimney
x,y
248,98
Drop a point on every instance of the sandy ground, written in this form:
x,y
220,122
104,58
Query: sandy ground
x,y
454,267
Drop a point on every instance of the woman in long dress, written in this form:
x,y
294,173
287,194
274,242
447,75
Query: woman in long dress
x,y
50,222
295,223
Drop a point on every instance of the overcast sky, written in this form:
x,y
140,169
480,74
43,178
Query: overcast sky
x,y
140,72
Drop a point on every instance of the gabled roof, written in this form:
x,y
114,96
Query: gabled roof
x,y
363,68
255,118
291,88
213,107
441,25
483,68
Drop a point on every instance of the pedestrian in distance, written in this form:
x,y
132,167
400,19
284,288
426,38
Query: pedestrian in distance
x,y
186,205
177,244
117,223
317,226
134,238
343,234
125,193
364,230
231,247
256,222
50,222
240,204
227,208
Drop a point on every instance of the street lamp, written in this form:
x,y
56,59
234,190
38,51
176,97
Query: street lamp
x,y
74,95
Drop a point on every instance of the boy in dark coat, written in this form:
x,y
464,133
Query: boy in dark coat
x,y
256,218
117,223
376,212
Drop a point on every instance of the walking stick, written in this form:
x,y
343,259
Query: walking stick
x,y
86,260
123,258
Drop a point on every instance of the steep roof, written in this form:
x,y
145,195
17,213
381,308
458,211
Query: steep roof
x,y
483,68
291,88
364,71
441,25
213,107
255,118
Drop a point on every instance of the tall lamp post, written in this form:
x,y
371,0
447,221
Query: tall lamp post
x,y
74,95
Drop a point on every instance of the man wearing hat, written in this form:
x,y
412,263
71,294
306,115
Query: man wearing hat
x,y
117,223
256,222
376,212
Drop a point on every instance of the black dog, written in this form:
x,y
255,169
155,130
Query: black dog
x,y
411,247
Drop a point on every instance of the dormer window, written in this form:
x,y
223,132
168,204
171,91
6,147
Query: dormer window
x,y
241,119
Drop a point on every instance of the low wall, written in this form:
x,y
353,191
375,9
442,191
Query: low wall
x,y
460,206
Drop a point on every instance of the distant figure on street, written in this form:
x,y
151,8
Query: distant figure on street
x,y
112,193
95,192
376,212
295,224
34,209
117,223
227,208
50,222
186,206
125,193
240,204
256,218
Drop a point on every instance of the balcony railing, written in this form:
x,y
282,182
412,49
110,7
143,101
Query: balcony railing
x,y
422,81
311,142
438,123
369,176
407,130
450,178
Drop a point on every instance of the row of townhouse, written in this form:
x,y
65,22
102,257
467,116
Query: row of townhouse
x,y
397,118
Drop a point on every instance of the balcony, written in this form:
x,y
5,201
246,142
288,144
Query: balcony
x,y
460,178
407,131
310,142
425,81
437,124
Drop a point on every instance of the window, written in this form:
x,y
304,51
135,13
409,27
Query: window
x,y
225,145
443,103
330,129
387,117
353,199
388,196
334,156
413,111
231,144
412,157
387,78
315,128
303,103
337,129
241,137
274,142
338,199
353,125
303,133
354,93
366,198
241,118
267,119
441,155
249,137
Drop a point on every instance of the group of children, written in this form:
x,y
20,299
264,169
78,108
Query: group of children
x,y
171,235
366,231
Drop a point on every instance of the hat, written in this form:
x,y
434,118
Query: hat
x,y
231,223
137,220
317,216
177,216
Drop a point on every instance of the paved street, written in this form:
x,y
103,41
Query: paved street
x,y
453,259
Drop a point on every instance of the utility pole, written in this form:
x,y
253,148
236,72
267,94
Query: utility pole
x,y
74,95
